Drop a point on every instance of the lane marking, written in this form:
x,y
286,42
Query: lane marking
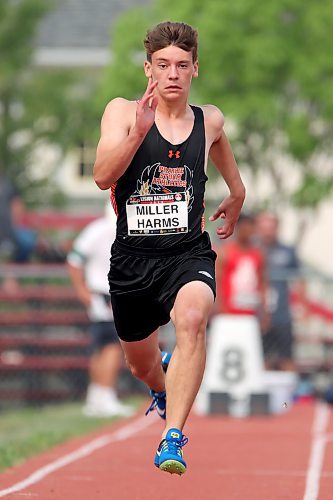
x,y
318,445
266,472
85,450
261,472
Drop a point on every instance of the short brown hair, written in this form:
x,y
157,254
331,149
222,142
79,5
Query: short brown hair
x,y
167,33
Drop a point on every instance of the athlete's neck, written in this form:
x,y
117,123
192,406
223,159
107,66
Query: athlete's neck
x,y
172,110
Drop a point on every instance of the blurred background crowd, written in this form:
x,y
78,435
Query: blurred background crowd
x,y
60,63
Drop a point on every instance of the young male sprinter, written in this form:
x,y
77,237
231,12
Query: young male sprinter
x,y
153,155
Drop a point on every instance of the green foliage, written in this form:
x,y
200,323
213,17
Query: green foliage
x,y
124,76
38,107
15,46
312,191
268,67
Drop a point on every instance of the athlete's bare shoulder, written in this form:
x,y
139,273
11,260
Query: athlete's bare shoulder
x,y
119,103
214,120
213,115
119,110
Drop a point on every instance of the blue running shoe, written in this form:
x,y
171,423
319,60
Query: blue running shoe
x,y
166,356
169,456
159,400
158,403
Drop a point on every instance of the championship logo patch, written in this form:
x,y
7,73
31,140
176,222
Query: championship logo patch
x,y
162,201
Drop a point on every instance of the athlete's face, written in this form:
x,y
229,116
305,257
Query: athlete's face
x,y
174,69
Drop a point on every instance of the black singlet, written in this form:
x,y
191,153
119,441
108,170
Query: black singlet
x,y
159,200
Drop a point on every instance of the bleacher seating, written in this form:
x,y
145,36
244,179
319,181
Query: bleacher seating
x,y
44,342
43,336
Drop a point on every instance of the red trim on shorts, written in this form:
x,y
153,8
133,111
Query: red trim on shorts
x,y
113,197
203,218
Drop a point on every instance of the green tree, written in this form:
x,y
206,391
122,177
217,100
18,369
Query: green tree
x,y
38,106
269,68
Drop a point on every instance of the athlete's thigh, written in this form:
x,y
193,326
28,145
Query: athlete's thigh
x,y
193,298
141,352
195,267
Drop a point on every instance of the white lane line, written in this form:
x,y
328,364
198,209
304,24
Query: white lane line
x,y
261,472
319,441
85,450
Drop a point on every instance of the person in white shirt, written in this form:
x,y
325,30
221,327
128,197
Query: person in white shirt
x,y
88,265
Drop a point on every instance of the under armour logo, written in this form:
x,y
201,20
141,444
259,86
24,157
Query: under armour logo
x,y
175,154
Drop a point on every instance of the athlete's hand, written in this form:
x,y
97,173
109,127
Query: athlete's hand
x,y
145,112
228,210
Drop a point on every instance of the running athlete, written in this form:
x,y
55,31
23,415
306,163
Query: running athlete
x,y
153,155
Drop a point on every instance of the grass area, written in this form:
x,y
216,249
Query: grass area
x,y
29,431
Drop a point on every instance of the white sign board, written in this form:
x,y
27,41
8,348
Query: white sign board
x,y
235,362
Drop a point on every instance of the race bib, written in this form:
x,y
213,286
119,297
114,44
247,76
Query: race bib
x,y
154,214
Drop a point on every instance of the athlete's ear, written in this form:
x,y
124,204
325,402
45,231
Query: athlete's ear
x,y
196,70
147,69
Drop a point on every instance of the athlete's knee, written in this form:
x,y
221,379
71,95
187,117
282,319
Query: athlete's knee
x,y
193,320
191,331
143,369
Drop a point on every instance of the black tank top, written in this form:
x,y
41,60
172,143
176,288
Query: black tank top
x,y
159,200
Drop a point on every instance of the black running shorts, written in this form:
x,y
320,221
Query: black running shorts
x,y
143,288
103,333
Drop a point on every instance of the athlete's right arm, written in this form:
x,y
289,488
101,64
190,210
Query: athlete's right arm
x,y
123,129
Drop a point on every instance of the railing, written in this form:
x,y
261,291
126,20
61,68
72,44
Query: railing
x,y
44,343
44,340
314,325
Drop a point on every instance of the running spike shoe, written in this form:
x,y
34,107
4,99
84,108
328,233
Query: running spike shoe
x,y
158,403
159,398
166,356
169,455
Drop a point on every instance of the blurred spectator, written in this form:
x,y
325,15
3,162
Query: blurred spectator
x,y
88,265
240,272
17,242
8,197
48,252
282,267
26,238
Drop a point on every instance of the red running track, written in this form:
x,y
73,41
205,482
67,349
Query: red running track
x,y
272,458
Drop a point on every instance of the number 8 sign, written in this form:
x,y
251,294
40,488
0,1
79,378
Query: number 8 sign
x,y
234,356
232,371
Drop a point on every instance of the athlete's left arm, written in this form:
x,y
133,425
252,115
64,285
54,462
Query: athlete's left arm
x,y
223,158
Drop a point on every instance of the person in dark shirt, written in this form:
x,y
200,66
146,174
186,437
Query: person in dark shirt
x,y
283,268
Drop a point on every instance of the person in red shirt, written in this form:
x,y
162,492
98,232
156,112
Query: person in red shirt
x,y
240,274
